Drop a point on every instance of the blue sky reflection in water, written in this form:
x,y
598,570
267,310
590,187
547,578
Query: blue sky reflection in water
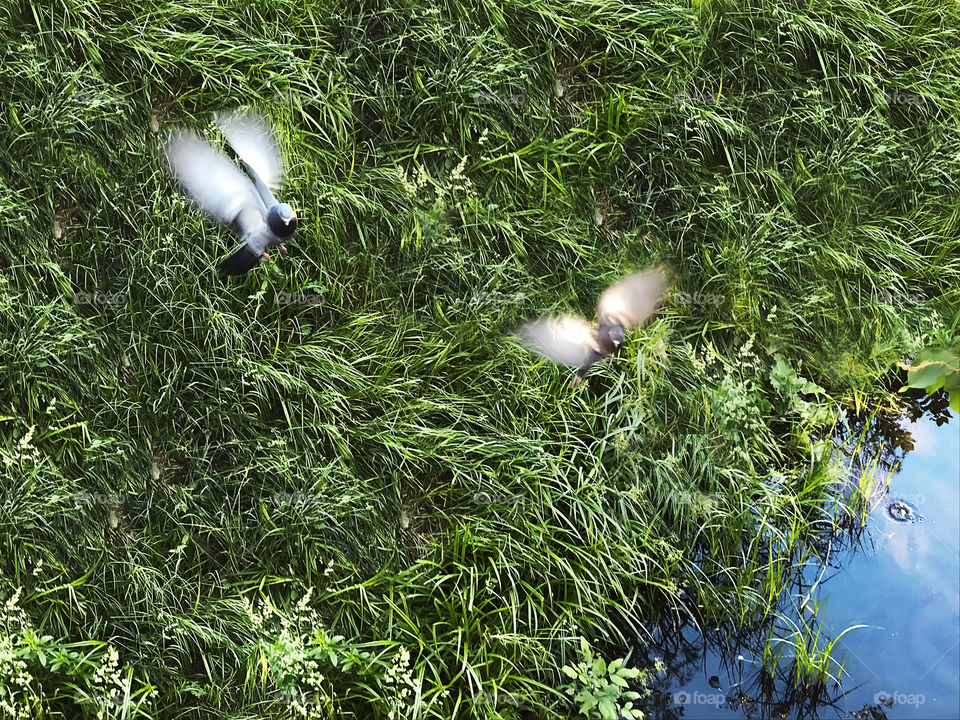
x,y
902,582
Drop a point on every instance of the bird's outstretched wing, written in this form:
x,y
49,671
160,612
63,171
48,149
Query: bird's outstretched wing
x,y
566,339
216,184
633,299
253,140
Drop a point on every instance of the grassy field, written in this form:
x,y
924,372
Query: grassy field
x,y
338,488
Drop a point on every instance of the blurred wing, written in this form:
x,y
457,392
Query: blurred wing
x,y
568,340
254,141
216,184
630,301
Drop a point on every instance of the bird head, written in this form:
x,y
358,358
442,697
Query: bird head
x,y
615,337
282,220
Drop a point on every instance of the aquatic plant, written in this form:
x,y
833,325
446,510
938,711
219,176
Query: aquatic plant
x,y
937,368
811,658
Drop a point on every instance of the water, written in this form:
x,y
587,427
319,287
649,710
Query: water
x,y
902,582
905,584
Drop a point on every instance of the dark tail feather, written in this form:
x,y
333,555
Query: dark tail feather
x,y
241,262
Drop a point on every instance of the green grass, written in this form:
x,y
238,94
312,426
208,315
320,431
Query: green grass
x,y
176,459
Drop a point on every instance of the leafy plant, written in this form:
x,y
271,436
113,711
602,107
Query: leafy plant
x,y
602,690
937,368
36,669
320,675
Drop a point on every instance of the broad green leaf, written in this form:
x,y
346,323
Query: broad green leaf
x,y
929,365
933,387
569,672
607,709
589,704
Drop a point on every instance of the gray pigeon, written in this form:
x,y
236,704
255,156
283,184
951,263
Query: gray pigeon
x,y
572,341
223,191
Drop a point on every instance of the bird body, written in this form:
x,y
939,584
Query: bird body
x,y
219,187
572,341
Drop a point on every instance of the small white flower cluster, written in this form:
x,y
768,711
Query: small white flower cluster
x,y
25,452
399,678
109,684
419,182
26,448
257,619
748,357
457,183
311,707
290,653
701,364
12,615
293,662
18,696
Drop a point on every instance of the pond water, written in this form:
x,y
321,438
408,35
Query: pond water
x,y
901,580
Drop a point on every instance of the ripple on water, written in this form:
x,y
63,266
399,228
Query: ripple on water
x,y
901,510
